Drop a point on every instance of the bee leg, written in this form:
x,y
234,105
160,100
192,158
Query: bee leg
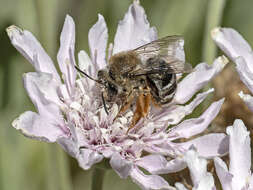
x,y
125,105
142,108
155,103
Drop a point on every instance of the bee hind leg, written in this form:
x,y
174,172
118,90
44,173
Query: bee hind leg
x,y
142,108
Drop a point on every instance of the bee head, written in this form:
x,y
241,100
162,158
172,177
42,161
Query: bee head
x,y
109,88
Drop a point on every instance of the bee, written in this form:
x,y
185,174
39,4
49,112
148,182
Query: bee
x,y
143,75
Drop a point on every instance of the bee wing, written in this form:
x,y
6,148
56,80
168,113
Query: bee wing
x,y
162,55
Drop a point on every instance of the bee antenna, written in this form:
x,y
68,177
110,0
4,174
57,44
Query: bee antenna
x,y
103,100
79,70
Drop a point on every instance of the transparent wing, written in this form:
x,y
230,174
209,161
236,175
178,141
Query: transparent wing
x,y
162,55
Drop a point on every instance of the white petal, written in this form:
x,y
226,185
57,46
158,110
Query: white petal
x,y
38,127
85,63
202,180
72,144
196,101
180,186
86,66
149,182
174,114
63,92
108,152
196,165
98,36
238,50
69,146
157,164
148,130
201,75
42,91
224,176
209,146
78,136
206,183
45,84
31,49
65,56
167,150
134,30
239,153
121,166
232,43
88,157
244,72
248,99
41,88
191,127
250,182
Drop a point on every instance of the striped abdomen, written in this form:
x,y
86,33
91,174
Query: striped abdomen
x,y
163,87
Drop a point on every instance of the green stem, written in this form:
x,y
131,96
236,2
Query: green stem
x,y
213,19
64,170
97,179
52,182
58,174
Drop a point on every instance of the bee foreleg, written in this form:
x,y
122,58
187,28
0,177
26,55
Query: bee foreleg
x,y
125,105
142,108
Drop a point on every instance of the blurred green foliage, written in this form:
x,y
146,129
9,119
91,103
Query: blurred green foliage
x,y
29,164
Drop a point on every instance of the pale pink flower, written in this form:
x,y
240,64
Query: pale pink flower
x,y
239,175
201,179
71,113
240,52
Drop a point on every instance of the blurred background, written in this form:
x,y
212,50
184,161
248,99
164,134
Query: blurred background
x,y
33,165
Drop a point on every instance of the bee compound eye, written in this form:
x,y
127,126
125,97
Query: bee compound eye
x,y
101,74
